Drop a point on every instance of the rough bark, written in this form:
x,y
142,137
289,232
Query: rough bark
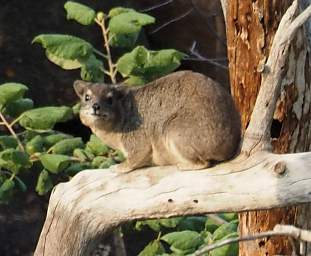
x,y
251,28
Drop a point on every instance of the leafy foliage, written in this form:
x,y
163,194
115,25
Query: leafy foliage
x,y
148,65
51,156
40,150
124,26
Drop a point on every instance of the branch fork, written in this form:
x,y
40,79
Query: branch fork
x,y
95,202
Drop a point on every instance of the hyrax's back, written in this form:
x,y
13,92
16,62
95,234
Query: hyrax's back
x,y
191,119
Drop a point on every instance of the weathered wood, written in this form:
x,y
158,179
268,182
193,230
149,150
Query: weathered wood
x,y
291,124
96,201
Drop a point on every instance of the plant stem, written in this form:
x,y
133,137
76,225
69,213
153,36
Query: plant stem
x,y
16,120
9,127
12,176
111,72
100,53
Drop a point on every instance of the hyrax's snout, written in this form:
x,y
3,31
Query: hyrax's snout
x,y
96,108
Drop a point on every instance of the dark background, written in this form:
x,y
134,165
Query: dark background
x,y
179,24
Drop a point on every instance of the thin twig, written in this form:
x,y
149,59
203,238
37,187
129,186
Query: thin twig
x,y
156,6
100,53
199,57
171,21
9,127
105,31
279,230
16,120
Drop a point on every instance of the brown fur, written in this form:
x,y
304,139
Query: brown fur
x,y
183,119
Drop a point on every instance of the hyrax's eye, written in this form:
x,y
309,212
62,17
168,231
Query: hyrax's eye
x,y
87,97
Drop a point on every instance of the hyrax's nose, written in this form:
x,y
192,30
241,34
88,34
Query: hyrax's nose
x,y
96,107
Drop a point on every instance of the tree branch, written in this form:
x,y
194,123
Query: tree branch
x,y
224,6
199,57
157,6
257,135
171,21
279,230
94,202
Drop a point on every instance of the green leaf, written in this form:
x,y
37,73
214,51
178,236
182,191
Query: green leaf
x,y
129,22
15,108
107,163
229,216
76,109
74,168
80,154
123,40
157,224
55,163
35,145
52,139
152,249
66,64
6,190
67,146
14,160
80,13
97,161
65,46
136,80
227,250
44,183
92,70
45,118
119,157
118,10
133,63
163,62
10,92
96,146
194,223
7,142
225,229
211,224
153,224
142,65
184,240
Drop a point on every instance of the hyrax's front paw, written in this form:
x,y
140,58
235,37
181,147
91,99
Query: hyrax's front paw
x,y
122,168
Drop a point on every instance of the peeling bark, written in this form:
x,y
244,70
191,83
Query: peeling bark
x,y
251,27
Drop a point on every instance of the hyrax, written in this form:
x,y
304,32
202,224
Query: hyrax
x,y
183,119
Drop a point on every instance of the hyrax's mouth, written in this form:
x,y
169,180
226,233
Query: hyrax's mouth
x,y
100,115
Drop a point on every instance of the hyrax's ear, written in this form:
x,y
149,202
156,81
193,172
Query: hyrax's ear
x,y
80,87
120,90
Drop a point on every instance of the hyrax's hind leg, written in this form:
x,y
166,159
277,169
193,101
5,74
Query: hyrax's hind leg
x,y
186,154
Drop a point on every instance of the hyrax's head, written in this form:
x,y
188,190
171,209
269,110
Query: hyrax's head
x,y
100,104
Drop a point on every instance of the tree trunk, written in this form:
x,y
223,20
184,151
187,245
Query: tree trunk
x,y
251,26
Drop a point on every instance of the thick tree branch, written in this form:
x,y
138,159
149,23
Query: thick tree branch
x,y
257,135
96,201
